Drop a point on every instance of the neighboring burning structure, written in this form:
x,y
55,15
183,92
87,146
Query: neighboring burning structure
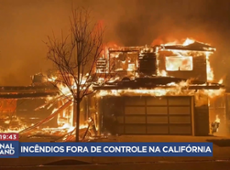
x,y
18,104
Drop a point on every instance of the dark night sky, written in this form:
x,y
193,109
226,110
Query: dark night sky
x,y
26,23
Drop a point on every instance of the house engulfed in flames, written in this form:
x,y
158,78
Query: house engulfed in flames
x,y
164,89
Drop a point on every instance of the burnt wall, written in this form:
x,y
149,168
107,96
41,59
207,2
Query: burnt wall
x,y
199,67
201,120
147,64
123,64
110,109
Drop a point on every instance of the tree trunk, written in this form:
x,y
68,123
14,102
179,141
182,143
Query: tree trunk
x,y
76,117
77,121
78,99
78,103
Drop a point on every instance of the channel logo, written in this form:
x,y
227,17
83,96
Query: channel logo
x,y
7,149
9,145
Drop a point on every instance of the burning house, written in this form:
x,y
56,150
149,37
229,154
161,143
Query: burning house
x,y
163,89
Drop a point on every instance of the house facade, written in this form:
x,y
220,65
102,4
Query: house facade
x,y
159,90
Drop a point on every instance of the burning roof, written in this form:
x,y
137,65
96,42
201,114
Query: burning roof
x,y
195,46
188,45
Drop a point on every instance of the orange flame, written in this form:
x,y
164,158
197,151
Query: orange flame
x,y
188,41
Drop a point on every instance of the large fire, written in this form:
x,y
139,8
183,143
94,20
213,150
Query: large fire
x,y
180,63
172,89
181,60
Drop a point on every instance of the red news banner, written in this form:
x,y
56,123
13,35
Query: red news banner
x,y
9,136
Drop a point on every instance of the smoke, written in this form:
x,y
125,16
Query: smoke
x,y
25,25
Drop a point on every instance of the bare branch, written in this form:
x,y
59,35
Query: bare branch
x,y
77,54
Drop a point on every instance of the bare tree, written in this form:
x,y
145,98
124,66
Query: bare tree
x,y
76,55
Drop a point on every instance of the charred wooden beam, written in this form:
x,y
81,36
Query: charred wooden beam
x,y
27,91
134,87
27,95
185,48
26,88
125,49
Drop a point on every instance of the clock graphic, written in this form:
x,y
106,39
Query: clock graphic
x,y
8,137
